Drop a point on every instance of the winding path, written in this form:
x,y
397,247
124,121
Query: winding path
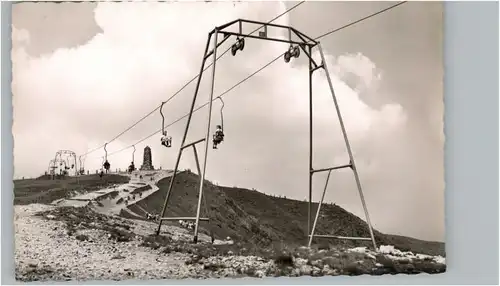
x,y
112,200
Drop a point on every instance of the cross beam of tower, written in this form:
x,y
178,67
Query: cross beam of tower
x,y
297,41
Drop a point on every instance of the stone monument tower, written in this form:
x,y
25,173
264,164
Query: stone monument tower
x,y
147,163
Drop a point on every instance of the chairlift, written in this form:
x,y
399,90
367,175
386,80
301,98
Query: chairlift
x,y
165,139
106,164
218,136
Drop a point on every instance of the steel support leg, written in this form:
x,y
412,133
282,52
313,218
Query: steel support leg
x,y
309,206
319,208
207,138
348,146
204,197
185,135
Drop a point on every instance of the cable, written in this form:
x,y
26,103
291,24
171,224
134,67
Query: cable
x,y
260,69
190,81
360,20
203,105
279,16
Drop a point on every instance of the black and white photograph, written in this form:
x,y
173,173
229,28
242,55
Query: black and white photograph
x,y
227,139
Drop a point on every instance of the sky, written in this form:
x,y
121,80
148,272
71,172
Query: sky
x,y
83,73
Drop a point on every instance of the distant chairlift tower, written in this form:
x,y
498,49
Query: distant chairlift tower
x,y
298,41
68,154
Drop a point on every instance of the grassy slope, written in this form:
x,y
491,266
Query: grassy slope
x,y
244,215
45,191
250,216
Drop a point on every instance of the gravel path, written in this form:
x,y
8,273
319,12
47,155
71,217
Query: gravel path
x,y
45,251
115,204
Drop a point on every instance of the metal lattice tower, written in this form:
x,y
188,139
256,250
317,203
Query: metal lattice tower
x,y
298,42
69,154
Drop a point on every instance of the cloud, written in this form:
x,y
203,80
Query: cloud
x,y
77,98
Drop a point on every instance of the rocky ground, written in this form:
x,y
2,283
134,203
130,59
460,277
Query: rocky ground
x,y
68,243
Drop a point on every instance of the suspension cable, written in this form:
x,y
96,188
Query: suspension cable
x,y
262,68
189,82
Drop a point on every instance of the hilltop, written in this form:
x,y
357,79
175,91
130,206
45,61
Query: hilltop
x,y
251,217
43,190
